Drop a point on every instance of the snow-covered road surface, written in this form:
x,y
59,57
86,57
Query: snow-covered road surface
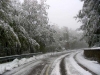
x,y
66,63
91,66
76,64
73,67
36,66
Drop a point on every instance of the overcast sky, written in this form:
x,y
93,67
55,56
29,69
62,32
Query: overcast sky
x,y
61,12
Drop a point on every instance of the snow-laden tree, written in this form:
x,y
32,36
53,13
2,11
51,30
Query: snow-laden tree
x,y
8,38
65,38
36,22
24,27
14,39
90,18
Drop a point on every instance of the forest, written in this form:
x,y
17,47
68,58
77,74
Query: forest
x,y
25,28
49,37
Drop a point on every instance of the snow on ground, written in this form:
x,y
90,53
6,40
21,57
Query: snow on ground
x,y
27,69
91,48
76,66
56,70
56,63
70,69
91,65
16,62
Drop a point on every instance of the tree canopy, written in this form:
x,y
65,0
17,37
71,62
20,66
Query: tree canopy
x,y
24,28
89,16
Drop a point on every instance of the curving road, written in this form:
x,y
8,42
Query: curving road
x,y
48,65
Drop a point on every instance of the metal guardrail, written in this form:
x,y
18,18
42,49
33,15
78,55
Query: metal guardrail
x,y
10,58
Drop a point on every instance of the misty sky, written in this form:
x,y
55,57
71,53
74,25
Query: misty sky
x,y
61,12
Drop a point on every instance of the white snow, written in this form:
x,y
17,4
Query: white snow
x,y
12,65
56,63
70,69
16,62
92,48
26,70
91,65
35,22
76,66
56,70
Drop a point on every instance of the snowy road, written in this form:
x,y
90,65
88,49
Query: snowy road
x,y
76,64
68,63
37,67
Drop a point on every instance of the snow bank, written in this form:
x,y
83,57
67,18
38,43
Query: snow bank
x,y
15,63
76,66
91,65
2,69
12,65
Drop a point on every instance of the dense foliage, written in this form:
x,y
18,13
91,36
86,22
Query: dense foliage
x,y
90,18
24,28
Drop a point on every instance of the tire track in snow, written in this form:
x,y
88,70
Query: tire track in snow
x,y
43,72
83,66
60,62
36,70
70,68
62,66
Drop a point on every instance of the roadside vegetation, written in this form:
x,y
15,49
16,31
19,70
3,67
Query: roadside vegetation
x,y
25,28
